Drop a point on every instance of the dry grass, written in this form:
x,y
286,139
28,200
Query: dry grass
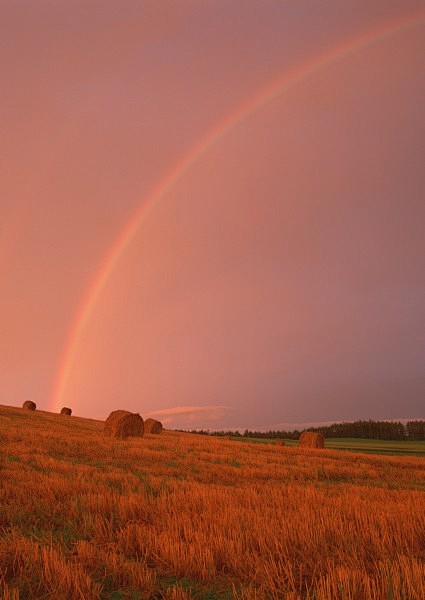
x,y
182,516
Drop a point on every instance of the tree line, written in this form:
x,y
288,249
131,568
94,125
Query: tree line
x,y
374,430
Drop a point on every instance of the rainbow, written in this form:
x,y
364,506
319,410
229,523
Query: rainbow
x,y
277,87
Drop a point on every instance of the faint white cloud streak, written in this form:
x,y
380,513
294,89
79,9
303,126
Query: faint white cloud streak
x,y
191,415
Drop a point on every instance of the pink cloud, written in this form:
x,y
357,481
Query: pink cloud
x,y
191,415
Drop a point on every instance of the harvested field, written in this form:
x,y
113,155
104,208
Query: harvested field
x,y
187,516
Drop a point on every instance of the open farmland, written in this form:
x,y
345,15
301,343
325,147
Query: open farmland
x,y
181,516
390,447
394,448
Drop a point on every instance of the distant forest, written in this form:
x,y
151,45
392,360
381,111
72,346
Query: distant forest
x,y
373,430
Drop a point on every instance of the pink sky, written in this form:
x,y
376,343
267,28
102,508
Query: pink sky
x,y
280,278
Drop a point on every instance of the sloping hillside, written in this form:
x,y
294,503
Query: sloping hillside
x,y
180,516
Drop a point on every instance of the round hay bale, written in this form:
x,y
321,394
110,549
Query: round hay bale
x,y
309,439
66,411
29,405
279,442
123,424
153,426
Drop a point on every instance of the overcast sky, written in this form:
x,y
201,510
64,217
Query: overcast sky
x,y
279,277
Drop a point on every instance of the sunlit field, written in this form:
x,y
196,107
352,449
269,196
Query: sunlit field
x,y
181,516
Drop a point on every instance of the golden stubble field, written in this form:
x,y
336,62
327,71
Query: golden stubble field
x,y
181,516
